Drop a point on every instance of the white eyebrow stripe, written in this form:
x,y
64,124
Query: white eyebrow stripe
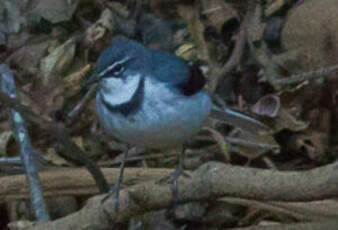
x,y
103,72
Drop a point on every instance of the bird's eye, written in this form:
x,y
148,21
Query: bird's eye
x,y
117,68
114,72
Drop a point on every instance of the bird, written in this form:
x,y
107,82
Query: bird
x,y
149,98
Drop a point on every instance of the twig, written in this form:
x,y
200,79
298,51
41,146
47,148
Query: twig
x,y
11,165
78,155
234,59
10,160
237,53
70,181
296,78
258,49
327,225
60,133
248,143
26,149
80,106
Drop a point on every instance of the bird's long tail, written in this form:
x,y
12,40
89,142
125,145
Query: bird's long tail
x,y
238,119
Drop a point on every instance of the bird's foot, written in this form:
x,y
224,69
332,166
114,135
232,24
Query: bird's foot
x,y
115,192
172,178
175,175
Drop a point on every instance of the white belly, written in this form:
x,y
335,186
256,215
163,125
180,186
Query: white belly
x,y
165,119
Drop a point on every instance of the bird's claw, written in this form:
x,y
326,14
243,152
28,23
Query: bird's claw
x,y
114,191
171,177
175,175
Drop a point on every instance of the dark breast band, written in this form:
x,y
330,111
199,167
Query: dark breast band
x,y
130,107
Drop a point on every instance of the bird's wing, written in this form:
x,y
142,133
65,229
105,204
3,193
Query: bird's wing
x,y
171,69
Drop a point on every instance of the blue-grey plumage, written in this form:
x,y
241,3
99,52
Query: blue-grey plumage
x,y
140,99
165,117
150,99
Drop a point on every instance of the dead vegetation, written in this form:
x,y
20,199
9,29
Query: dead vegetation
x,y
275,60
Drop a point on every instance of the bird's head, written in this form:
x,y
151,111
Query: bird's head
x,y
119,70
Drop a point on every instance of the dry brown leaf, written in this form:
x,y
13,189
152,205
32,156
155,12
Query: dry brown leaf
x,y
28,57
4,138
11,16
58,61
310,29
74,81
275,6
315,210
252,146
55,159
218,12
268,105
196,28
187,51
221,142
285,120
99,29
313,144
55,11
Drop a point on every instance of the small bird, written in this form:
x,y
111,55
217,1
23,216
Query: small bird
x,y
149,98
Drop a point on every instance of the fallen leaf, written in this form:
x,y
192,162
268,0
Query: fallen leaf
x,y
252,146
313,144
4,138
52,157
55,11
187,51
268,105
285,120
74,82
58,61
11,19
218,12
28,57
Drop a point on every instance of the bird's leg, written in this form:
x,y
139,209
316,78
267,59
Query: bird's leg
x,y
174,176
117,185
115,191
178,172
181,158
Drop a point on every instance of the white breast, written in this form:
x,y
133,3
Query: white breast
x,y
166,118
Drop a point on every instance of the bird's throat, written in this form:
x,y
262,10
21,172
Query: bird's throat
x,y
125,100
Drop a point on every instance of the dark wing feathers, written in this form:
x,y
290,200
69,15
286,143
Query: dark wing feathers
x,y
195,83
172,69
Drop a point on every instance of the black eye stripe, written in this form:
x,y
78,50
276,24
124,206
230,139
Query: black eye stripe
x,y
114,72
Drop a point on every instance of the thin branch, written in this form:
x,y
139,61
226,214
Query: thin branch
x,y
26,149
81,105
237,53
296,78
10,161
60,133
251,144
70,181
327,225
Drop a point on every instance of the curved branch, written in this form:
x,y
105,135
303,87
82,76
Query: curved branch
x,y
327,225
210,181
